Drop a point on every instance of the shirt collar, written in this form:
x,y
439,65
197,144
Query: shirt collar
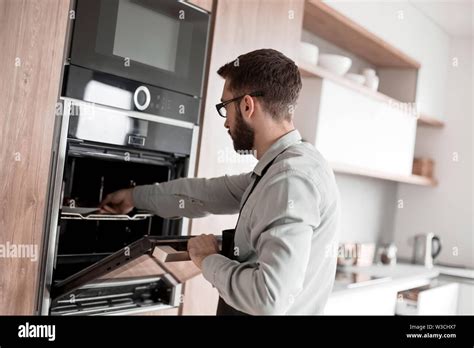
x,y
290,138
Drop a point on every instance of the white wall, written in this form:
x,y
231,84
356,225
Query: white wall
x,y
405,27
446,210
368,209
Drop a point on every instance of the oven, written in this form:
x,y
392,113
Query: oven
x,y
128,115
161,43
99,150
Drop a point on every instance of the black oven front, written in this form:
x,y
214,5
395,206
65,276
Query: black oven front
x,y
161,43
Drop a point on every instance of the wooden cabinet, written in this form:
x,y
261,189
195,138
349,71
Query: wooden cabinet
x,y
240,27
32,41
161,312
233,37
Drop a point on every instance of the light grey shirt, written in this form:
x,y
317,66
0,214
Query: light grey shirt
x,y
286,236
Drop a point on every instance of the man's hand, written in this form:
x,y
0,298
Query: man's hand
x,y
119,202
201,246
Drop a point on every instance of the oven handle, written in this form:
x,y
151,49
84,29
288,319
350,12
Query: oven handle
x,y
118,157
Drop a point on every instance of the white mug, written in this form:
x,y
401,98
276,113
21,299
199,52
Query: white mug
x,y
372,82
368,72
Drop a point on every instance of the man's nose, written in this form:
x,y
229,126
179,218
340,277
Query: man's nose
x,y
226,123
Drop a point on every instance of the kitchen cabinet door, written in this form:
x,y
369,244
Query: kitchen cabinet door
x,y
231,39
31,60
465,299
355,130
433,299
376,301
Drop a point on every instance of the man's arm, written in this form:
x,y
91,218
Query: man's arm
x,y
282,229
193,197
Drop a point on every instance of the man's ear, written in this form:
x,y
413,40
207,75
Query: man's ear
x,y
248,106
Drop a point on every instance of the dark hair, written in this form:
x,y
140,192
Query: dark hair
x,y
267,71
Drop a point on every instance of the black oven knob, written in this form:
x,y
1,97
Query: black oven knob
x,y
142,98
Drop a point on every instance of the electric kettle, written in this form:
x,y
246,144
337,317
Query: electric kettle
x,y
426,248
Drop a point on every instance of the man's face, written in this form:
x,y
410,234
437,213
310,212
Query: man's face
x,y
240,131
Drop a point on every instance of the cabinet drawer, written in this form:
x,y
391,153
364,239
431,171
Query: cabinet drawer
x,y
432,299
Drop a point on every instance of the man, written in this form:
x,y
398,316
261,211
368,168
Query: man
x,y
281,260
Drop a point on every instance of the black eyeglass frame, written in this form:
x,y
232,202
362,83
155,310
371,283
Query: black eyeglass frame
x,y
226,102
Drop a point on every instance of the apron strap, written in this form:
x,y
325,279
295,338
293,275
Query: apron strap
x,y
228,246
255,182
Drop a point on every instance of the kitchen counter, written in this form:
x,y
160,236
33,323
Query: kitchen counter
x,y
455,272
376,288
398,276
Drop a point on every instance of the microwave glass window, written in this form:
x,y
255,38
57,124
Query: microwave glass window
x,y
137,33
158,42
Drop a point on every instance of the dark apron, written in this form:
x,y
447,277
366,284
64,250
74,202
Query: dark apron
x,y
227,249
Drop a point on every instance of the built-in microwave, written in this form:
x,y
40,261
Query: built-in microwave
x,y
160,43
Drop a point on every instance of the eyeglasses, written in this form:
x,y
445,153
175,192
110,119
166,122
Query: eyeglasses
x,y
221,106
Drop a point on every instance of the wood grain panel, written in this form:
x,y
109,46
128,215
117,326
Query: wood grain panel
x,y
240,27
162,312
232,38
144,266
322,20
200,298
181,270
32,41
429,121
153,265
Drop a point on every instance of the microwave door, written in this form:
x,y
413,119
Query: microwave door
x,y
161,43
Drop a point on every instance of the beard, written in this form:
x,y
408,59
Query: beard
x,y
243,135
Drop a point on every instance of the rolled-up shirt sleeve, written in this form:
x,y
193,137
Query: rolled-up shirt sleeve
x,y
193,197
282,227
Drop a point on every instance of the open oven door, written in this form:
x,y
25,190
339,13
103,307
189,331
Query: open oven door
x,y
143,276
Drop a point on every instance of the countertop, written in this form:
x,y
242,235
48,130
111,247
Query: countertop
x,y
455,272
398,276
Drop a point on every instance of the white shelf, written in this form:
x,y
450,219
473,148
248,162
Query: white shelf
x,y
329,24
429,121
308,70
411,179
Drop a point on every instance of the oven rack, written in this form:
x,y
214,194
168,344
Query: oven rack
x,y
68,213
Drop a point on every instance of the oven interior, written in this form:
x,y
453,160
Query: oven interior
x,y
91,172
